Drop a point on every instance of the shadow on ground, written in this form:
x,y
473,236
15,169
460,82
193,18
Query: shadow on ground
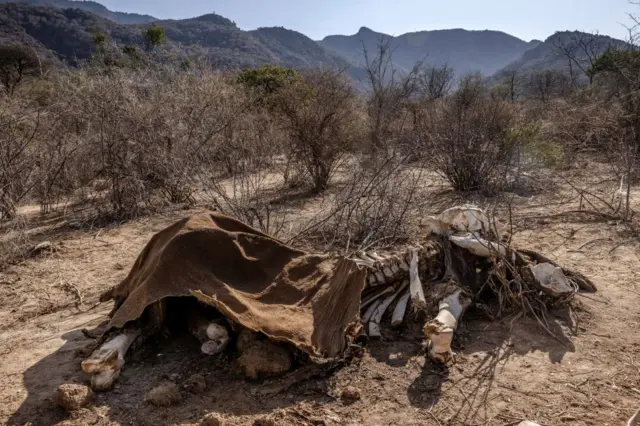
x,y
174,359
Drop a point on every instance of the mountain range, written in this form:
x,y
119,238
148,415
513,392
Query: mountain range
x,y
62,30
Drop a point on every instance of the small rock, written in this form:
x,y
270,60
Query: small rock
x,y
265,421
164,395
72,397
528,423
195,384
211,419
350,394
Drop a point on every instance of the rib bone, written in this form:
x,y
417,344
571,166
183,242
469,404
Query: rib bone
x,y
400,309
106,362
374,324
417,293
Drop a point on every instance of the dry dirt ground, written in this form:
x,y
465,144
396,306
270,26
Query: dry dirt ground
x,y
505,371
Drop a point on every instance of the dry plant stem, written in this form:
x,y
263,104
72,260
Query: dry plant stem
x,y
439,331
417,292
106,362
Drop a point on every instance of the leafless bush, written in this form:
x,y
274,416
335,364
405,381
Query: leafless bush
x,y
243,189
373,208
391,90
468,137
18,130
318,114
435,82
15,244
546,85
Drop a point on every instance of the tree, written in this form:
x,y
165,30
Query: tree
x,y
267,79
436,82
390,91
619,73
581,50
154,36
16,63
319,115
548,84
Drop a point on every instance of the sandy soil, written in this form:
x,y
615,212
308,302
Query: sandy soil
x,y
505,371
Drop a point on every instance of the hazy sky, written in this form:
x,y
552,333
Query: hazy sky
x,y
527,19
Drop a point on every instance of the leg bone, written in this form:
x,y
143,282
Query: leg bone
x,y
106,362
439,331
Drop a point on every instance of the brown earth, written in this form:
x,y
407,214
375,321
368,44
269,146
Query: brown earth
x,y
505,372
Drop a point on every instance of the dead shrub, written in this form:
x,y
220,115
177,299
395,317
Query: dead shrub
x,y
468,137
318,114
19,128
15,244
373,209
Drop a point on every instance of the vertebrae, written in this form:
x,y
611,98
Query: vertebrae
x,y
390,268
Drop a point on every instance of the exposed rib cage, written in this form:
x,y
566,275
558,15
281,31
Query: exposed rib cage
x,y
389,268
388,281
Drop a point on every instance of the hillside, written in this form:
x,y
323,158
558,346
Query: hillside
x,y
93,7
483,51
550,54
66,33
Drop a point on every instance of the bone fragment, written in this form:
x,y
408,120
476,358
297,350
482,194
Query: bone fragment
x,y
218,339
400,309
417,293
370,311
478,246
372,298
387,272
376,318
376,256
214,337
633,421
439,331
106,362
365,260
551,279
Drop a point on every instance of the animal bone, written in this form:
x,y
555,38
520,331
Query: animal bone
x,y
478,246
370,299
417,293
370,311
218,339
376,319
400,309
633,421
551,279
439,331
106,362
213,336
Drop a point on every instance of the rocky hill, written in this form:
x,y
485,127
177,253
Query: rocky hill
x,y
62,30
93,7
555,53
464,51
67,34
